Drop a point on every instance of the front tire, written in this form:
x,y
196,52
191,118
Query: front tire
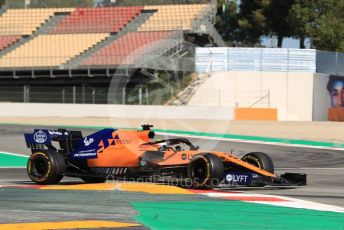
x,y
260,160
46,167
205,171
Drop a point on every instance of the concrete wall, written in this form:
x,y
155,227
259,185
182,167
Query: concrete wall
x,y
290,92
297,97
115,111
322,101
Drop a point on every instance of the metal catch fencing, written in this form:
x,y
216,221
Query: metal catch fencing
x,y
132,96
67,94
255,59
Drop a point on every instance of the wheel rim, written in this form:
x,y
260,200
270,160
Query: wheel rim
x,y
253,161
39,167
199,170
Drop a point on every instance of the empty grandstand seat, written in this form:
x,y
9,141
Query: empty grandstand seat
x,y
50,50
8,40
97,20
82,28
26,21
172,17
125,49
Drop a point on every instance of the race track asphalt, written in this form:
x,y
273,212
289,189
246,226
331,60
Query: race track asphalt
x,y
324,168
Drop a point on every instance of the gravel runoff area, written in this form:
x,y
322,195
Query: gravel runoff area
x,y
316,131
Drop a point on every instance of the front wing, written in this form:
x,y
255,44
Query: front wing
x,y
233,179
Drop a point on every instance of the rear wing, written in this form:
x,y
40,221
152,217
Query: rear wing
x,y
44,137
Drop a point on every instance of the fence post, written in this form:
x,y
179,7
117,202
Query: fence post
x,y
63,95
74,94
93,96
147,96
123,96
140,96
28,94
83,93
24,93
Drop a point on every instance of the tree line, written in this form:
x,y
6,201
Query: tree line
x,y
244,22
90,3
319,21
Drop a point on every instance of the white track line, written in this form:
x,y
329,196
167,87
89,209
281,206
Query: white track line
x,y
297,203
290,202
13,154
12,167
250,141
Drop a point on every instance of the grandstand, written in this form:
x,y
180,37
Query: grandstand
x,y
7,40
172,17
89,44
55,36
96,20
57,50
25,22
124,50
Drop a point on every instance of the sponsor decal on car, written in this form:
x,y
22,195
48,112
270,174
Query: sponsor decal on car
x,y
110,171
40,136
54,132
122,142
236,178
88,141
185,156
239,178
86,153
143,163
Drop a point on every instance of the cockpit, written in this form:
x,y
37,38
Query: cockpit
x,y
176,145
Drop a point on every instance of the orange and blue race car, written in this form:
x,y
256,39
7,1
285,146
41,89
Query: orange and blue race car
x,y
133,155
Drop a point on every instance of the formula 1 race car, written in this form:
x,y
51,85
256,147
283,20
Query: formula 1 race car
x,y
132,155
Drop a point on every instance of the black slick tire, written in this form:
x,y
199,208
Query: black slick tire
x,y
260,160
46,167
205,171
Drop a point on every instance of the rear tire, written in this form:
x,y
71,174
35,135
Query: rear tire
x,y
93,179
46,167
260,160
205,171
